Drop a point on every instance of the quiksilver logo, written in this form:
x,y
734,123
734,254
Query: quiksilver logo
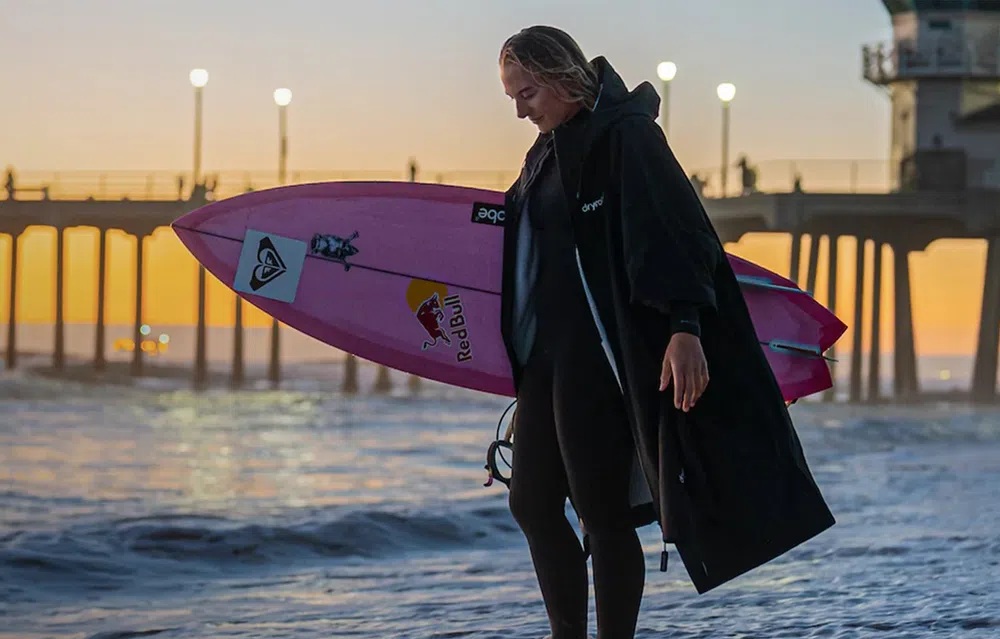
x,y
269,267
593,206
488,214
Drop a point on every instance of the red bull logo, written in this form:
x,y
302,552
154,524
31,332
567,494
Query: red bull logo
x,y
429,302
430,316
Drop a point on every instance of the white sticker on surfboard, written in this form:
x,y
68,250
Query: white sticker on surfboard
x,y
270,266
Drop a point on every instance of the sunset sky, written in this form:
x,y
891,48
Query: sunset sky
x,y
103,85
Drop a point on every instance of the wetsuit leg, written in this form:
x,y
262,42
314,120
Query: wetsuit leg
x,y
596,446
538,493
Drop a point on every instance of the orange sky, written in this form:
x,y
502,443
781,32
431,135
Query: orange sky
x,y
104,86
947,281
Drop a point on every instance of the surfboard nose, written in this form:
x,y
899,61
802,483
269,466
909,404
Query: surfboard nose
x,y
191,228
185,233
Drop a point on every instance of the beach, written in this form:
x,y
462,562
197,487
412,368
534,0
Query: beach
x,y
151,510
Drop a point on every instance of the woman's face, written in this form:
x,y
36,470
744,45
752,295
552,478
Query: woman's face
x,y
540,104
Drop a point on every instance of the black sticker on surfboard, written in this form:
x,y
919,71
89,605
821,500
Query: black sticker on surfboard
x,y
334,248
269,267
485,213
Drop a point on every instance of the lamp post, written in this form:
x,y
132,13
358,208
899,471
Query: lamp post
x,y
238,372
726,92
282,97
199,78
666,71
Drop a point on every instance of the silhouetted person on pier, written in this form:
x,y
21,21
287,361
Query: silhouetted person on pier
x,y
180,187
210,187
880,59
9,183
198,192
797,187
203,191
749,175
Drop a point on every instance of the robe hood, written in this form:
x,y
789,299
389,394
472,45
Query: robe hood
x,y
615,102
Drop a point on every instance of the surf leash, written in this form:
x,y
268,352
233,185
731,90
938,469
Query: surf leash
x,y
497,447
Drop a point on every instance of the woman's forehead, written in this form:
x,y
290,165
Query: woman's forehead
x,y
515,78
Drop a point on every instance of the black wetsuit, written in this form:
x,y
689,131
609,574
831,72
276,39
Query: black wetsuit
x,y
572,439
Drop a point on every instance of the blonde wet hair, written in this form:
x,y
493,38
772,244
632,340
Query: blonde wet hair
x,y
554,60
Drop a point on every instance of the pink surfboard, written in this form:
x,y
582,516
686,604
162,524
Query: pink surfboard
x,y
408,275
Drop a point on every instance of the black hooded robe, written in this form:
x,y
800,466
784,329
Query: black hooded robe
x,y
729,482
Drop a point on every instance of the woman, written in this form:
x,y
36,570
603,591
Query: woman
x,y
618,308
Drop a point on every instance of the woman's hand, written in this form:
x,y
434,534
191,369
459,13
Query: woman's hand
x,y
684,363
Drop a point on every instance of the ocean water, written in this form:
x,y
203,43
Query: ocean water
x,y
152,511
940,373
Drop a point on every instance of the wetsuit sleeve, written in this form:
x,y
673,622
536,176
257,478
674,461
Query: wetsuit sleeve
x,y
671,251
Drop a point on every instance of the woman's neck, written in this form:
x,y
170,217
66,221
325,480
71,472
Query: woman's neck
x,y
571,115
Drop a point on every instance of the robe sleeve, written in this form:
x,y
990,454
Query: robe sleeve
x,y
684,319
670,249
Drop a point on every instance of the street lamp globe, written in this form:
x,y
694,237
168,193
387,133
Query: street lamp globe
x,y
726,91
282,97
199,78
667,71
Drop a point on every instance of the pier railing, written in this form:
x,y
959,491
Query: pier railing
x,y
886,62
773,176
785,176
